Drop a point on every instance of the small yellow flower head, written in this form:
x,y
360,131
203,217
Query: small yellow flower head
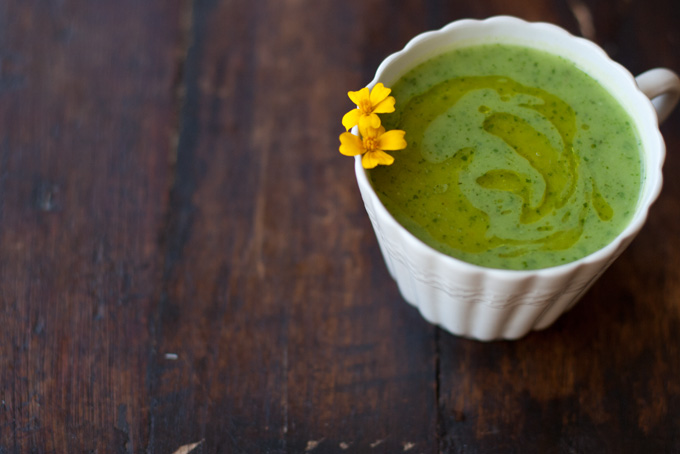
x,y
370,104
372,144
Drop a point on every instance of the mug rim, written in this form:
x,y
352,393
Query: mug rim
x,y
652,142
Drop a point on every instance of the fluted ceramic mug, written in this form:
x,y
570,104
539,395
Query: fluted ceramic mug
x,y
487,303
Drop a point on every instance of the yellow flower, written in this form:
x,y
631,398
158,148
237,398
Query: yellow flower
x,y
371,145
370,104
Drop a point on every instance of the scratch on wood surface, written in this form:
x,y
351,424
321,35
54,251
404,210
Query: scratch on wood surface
x,y
312,444
284,396
408,446
344,445
584,18
376,443
261,143
186,449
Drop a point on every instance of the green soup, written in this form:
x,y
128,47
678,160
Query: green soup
x,y
516,159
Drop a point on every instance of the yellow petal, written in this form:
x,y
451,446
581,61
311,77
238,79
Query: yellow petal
x,y
368,131
351,119
379,93
369,121
384,106
392,140
373,158
350,145
358,96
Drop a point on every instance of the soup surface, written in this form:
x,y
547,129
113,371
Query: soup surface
x,y
516,158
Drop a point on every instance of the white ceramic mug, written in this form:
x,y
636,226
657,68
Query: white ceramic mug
x,y
485,303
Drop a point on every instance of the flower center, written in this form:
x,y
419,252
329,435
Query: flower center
x,y
370,144
366,106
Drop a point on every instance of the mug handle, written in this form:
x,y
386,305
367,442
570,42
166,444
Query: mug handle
x,y
662,87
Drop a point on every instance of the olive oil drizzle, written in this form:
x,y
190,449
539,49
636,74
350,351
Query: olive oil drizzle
x,y
463,226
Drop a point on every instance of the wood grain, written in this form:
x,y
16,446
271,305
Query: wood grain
x,y
270,301
88,115
186,264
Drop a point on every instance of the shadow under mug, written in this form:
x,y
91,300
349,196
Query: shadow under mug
x,y
487,303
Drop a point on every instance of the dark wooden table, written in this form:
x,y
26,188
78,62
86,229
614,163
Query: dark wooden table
x,y
186,264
